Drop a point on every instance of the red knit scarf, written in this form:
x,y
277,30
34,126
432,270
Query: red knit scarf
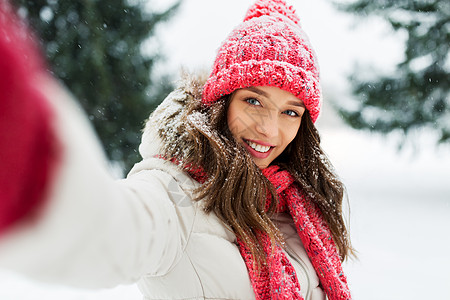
x,y
277,279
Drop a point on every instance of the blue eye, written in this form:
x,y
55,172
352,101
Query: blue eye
x,y
253,101
291,113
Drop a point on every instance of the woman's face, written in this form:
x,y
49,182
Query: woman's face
x,y
264,120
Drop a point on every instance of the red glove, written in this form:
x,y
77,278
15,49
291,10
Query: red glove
x,y
28,147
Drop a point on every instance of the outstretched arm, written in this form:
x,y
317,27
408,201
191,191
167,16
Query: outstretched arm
x,y
63,218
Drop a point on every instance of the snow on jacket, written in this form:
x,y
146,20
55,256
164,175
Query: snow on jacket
x,y
97,232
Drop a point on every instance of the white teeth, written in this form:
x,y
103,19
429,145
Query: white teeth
x,y
257,147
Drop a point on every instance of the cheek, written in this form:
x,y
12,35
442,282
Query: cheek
x,y
238,120
291,132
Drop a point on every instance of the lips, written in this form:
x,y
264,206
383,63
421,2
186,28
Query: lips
x,y
258,149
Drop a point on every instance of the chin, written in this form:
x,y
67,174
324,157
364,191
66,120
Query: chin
x,y
262,165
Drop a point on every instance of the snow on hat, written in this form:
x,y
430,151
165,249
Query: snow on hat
x,y
268,49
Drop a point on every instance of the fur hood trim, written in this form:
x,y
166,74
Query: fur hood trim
x,y
165,129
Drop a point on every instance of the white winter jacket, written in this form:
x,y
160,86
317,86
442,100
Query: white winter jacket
x,y
98,232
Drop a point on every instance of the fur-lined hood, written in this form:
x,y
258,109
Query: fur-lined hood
x,y
165,129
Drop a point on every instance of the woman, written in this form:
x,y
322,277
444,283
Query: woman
x,y
234,198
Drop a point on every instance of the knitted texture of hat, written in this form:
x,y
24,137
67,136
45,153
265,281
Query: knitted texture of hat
x,y
268,49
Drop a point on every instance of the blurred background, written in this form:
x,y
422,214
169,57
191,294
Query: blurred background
x,y
385,122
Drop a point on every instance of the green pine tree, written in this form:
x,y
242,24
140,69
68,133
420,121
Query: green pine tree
x,y
417,94
95,48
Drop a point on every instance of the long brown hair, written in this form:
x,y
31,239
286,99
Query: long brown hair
x,y
236,190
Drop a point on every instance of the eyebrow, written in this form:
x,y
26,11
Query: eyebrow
x,y
297,103
262,93
257,91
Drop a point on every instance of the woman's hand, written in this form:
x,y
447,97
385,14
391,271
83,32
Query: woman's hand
x,y
28,147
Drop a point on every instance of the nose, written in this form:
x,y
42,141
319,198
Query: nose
x,y
269,126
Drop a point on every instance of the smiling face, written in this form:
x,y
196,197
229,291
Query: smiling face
x,y
264,120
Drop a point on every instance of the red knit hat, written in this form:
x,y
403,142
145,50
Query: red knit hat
x,y
268,49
